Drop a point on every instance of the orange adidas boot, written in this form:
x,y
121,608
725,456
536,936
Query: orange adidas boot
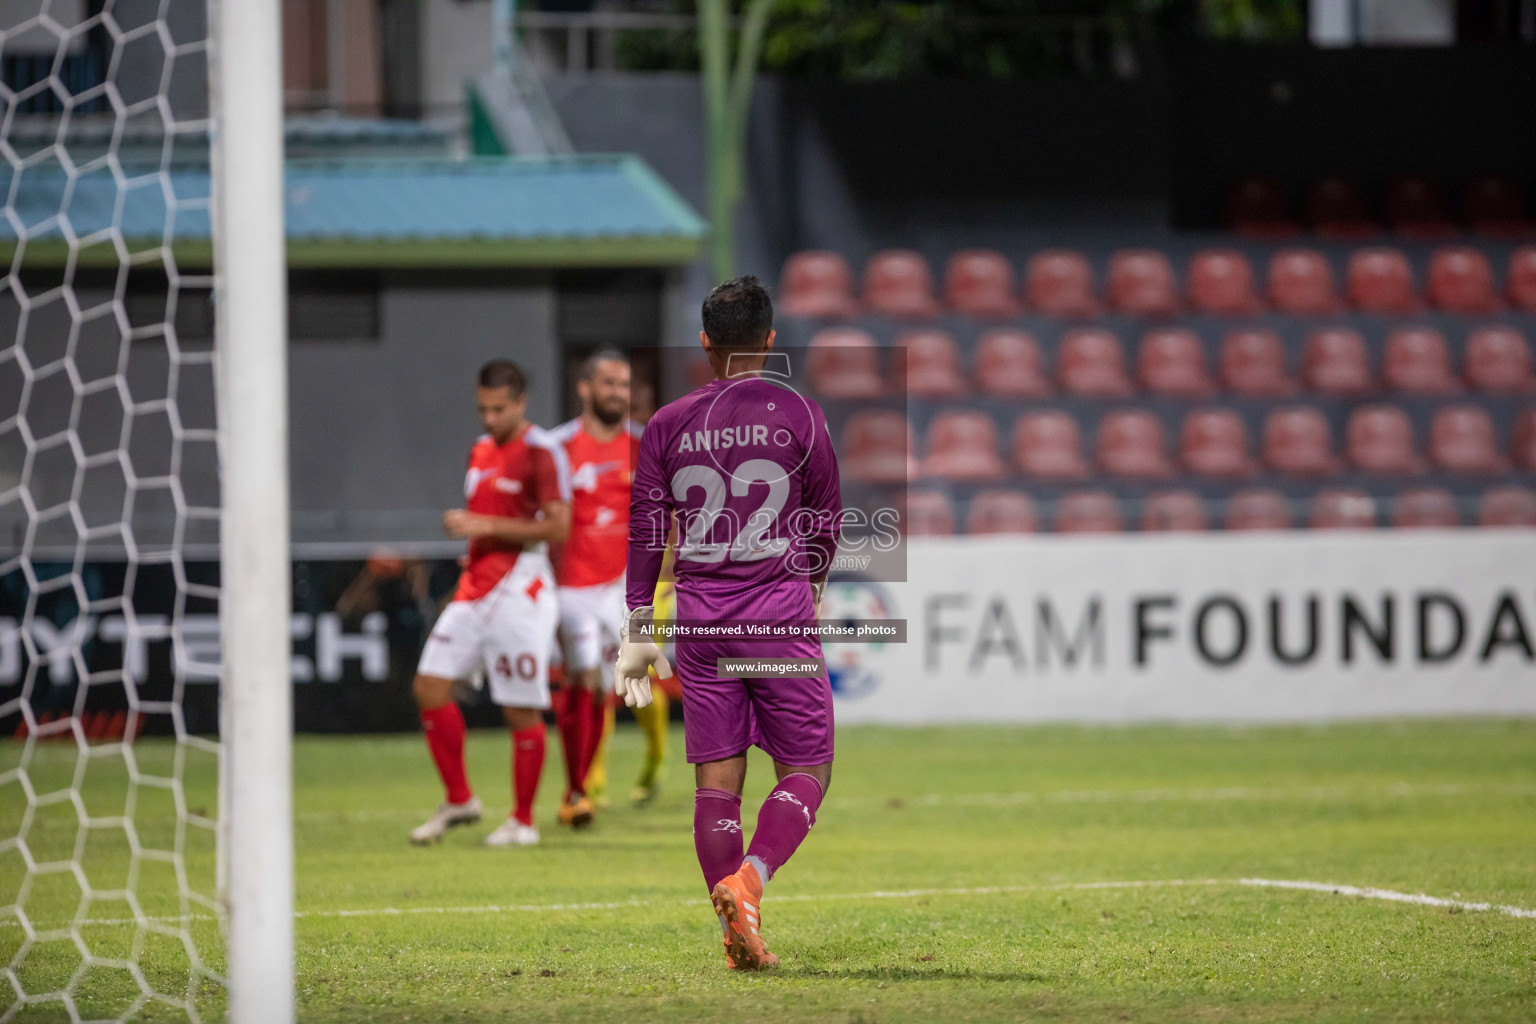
x,y
738,901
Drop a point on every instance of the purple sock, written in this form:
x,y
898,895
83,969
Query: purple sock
x,y
787,815
717,833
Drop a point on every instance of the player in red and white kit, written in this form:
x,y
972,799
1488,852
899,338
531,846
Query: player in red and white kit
x,y
517,497
600,446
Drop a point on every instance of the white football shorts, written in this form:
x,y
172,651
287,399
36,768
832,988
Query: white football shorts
x,y
507,631
589,626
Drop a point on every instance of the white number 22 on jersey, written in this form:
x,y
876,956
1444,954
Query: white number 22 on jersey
x,y
750,543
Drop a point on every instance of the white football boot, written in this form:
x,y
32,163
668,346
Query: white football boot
x,y
444,818
513,833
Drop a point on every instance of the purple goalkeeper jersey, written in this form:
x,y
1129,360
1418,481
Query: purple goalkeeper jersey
x,y
747,466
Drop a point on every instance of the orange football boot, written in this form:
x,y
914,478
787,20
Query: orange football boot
x,y
576,813
738,901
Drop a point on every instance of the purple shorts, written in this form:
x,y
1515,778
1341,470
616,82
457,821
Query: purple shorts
x,y
790,719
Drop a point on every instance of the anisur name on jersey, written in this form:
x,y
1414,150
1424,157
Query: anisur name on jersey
x,y
726,437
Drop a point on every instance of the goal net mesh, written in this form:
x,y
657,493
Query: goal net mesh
x,y
109,761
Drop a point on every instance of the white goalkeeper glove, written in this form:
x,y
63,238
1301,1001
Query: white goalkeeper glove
x,y
818,588
638,653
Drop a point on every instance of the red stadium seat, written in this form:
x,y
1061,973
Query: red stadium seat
x,y
1088,512
1059,282
1380,281
817,284
1425,508
1301,283
1173,511
1258,510
1379,439
979,282
930,514
1257,208
1171,362
1336,209
1414,209
932,365
1343,510
1335,362
1049,446
1253,363
897,282
1214,443
1495,206
1418,362
1092,364
844,363
1221,283
1507,506
1461,281
1002,512
1132,444
962,445
1522,279
1298,442
877,447
1141,283
1462,440
1523,448
1009,365
1499,361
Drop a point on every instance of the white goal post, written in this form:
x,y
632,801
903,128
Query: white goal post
x,y
256,717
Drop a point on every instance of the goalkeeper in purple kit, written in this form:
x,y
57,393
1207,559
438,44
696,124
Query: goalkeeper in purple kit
x,y
746,465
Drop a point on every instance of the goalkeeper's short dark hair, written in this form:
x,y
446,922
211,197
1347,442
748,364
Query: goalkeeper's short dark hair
x,y
738,314
503,373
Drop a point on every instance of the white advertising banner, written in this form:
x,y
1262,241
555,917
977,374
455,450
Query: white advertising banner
x,y
1301,626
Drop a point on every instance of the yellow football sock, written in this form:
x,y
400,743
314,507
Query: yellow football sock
x,y
596,782
653,722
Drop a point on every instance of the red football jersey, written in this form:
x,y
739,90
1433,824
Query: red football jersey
x,y
512,481
601,471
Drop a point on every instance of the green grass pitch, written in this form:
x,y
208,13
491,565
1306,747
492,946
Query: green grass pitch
x,y
953,874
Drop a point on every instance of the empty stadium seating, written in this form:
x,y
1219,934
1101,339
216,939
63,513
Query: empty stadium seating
x,y
1258,208
1258,509
844,363
1171,362
1168,511
979,282
1088,512
877,447
1000,512
1344,509
1499,361
898,283
929,514
1294,404
1009,365
1049,446
1334,361
1418,362
962,445
817,284
1336,208
1060,283
1415,210
1301,283
1425,508
1092,365
1214,443
1494,206
932,364
1462,440
1379,439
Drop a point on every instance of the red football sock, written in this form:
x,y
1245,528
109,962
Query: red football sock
x,y
527,765
444,728
572,720
597,712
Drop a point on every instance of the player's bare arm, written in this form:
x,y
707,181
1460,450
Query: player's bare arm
x,y
554,525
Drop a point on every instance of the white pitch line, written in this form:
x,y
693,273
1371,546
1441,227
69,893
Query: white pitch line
x,y
1372,893
1083,796
1362,892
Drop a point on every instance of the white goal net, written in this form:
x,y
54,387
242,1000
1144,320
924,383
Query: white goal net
x,y
110,903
